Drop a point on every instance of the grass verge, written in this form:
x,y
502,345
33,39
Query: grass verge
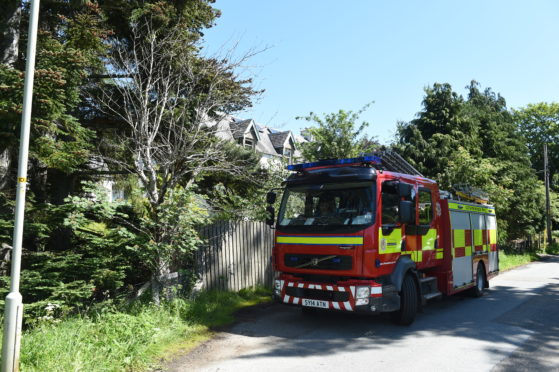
x,y
131,339
509,261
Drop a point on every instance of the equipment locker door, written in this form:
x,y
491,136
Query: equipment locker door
x,y
461,248
493,254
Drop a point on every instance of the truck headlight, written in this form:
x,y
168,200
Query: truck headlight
x,y
363,292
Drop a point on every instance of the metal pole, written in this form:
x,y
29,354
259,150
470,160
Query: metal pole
x,y
13,312
547,201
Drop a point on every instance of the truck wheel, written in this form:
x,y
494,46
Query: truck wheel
x,y
477,291
408,302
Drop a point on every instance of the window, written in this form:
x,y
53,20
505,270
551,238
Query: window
x,y
249,143
425,207
288,154
328,205
390,203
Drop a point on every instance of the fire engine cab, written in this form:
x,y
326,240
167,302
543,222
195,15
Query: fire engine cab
x,y
371,234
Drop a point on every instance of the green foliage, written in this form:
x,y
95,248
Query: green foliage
x,y
244,197
129,336
337,136
552,248
539,125
171,233
511,260
475,141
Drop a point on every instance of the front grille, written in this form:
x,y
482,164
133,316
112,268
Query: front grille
x,y
318,262
315,294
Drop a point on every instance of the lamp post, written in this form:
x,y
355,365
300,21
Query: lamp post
x,y
13,312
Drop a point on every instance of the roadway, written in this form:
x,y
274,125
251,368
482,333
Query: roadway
x,y
513,327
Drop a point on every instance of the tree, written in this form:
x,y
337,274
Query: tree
x,y
539,125
10,18
475,141
338,135
169,105
439,129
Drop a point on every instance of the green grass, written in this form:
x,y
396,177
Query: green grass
x,y
511,260
134,339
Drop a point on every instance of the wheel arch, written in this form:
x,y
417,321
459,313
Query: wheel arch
x,y
403,266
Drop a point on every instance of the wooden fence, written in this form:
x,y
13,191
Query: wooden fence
x,y
236,256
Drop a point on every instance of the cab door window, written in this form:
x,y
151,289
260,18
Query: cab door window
x,y
390,204
425,207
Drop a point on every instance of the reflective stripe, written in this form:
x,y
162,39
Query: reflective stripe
x,y
428,240
296,300
415,256
321,240
352,290
300,285
460,240
478,237
336,305
290,284
376,290
348,306
329,287
391,243
286,299
492,236
471,208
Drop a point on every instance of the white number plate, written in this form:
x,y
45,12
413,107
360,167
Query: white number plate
x,y
315,303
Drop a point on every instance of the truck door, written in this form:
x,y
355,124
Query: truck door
x,y
461,248
492,232
426,230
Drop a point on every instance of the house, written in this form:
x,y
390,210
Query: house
x,y
273,145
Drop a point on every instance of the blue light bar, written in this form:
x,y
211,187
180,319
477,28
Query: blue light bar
x,y
323,163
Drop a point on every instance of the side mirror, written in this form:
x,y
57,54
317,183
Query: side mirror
x,y
271,197
405,190
271,218
406,212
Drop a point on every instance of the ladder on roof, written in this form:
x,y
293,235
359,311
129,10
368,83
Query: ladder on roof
x,y
393,162
469,193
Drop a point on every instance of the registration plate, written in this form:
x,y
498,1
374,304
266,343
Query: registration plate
x,y
315,303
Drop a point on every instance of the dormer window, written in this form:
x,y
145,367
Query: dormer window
x,y
249,143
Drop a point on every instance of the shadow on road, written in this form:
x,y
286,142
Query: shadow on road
x,y
500,317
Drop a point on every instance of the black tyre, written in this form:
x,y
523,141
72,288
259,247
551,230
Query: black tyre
x,y
408,302
478,289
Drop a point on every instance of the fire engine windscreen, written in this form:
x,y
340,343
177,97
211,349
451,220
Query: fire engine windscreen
x,y
331,204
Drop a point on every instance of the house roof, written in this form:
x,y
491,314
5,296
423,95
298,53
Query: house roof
x,y
265,145
278,139
238,128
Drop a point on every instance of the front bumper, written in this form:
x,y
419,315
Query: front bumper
x,y
339,296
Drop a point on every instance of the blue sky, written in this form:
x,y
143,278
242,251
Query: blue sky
x,y
327,55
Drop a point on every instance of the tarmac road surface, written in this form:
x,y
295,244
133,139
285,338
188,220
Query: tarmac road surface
x,y
514,327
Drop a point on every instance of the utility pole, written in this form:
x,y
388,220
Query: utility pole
x,y
547,202
13,312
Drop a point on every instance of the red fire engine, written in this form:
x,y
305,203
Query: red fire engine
x,y
371,234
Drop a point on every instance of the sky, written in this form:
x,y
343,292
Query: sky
x,y
326,55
